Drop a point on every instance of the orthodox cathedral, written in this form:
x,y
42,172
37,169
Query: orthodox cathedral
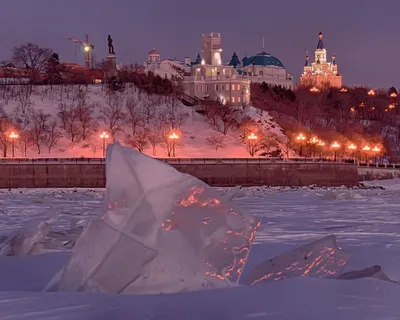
x,y
321,73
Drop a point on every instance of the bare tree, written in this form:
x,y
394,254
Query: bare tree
x,y
174,115
140,140
51,134
88,123
113,113
25,140
5,126
24,99
154,140
70,120
150,106
224,117
31,56
217,141
134,117
39,122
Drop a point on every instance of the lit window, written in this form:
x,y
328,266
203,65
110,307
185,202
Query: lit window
x,y
238,86
233,87
238,99
233,99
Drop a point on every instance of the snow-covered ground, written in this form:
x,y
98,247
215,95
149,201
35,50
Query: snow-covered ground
x,y
153,116
365,221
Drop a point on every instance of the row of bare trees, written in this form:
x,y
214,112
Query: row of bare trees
x,y
347,114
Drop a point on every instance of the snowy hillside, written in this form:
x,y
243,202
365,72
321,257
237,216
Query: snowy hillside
x,y
66,121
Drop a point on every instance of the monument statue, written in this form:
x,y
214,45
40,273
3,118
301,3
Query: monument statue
x,y
110,45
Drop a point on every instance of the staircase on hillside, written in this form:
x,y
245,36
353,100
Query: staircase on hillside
x,y
198,104
188,100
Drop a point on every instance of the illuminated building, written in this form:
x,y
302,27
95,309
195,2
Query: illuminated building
x,y
321,73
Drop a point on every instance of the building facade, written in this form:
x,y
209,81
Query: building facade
x,y
321,73
212,80
263,68
206,77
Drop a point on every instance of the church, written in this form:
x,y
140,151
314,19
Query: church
x,y
321,73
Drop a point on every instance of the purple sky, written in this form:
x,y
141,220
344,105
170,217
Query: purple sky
x,y
363,34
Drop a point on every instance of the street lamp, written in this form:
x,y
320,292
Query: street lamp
x,y
371,92
320,144
13,136
313,141
300,139
104,136
252,138
174,137
366,149
335,147
352,149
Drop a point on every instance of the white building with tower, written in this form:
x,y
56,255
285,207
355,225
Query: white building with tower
x,y
208,78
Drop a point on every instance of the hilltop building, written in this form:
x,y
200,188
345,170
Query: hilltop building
x,y
208,78
321,73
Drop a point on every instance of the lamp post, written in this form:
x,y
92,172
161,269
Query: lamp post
x,y
12,137
366,149
313,141
375,150
321,146
252,138
173,137
352,149
104,136
300,139
335,146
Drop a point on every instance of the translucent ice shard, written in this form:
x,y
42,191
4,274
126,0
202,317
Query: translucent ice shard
x,y
29,240
321,259
160,231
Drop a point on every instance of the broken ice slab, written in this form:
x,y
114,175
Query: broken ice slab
x,y
160,231
321,259
29,240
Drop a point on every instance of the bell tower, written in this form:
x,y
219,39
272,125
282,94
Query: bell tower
x,y
320,52
211,51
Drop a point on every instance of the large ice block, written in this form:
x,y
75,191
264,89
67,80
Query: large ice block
x,y
160,231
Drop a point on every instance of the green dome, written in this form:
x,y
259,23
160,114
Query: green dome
x,y
265,59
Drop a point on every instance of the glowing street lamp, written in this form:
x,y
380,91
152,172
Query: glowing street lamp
x,y
371,92
252,138
314,89
375,149
173,137
12,137
104,136
352,149
86,48
366,148
335,146
393,95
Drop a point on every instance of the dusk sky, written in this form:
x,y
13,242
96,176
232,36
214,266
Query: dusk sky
x,y
363,34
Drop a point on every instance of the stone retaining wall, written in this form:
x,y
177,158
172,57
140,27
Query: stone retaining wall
x,y
217,174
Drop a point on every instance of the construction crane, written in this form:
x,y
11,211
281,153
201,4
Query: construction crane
x,y
87,48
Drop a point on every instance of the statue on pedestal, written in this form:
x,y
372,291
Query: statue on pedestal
x,y
110,45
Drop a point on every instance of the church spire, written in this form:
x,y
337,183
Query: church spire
x,y
320,45
334,59
307,60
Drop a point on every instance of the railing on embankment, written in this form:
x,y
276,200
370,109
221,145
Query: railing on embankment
x,y
64,173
